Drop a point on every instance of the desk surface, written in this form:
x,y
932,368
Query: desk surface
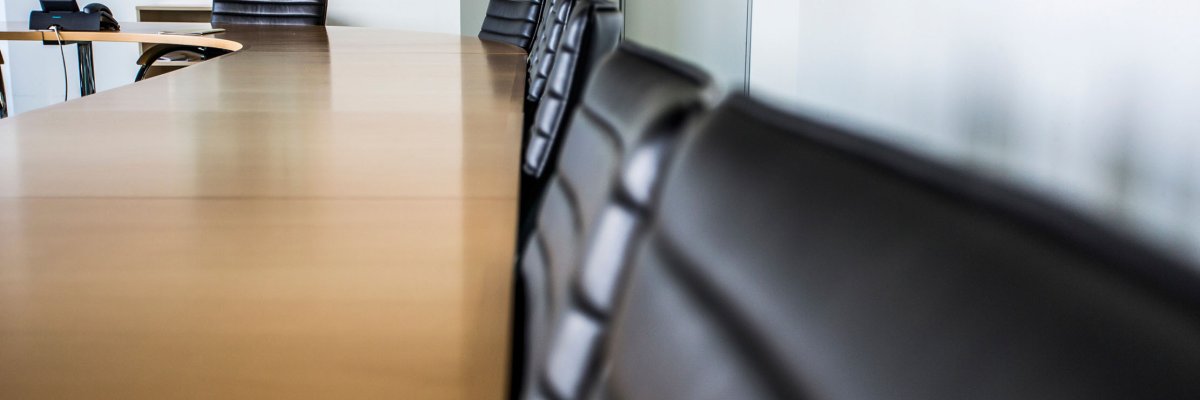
x,y
327,213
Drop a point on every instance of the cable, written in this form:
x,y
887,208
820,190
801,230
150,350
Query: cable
x,y
63,53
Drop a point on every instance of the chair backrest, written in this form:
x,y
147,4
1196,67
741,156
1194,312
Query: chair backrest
x,y
637,101
269,12
594,32
790,259
545,46
512,21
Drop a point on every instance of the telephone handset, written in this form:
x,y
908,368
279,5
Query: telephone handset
x,y
107,21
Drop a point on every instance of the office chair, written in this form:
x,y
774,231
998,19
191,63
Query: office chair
x,y
242,12
543,49
594,31
269,12
3,90
511,21
791,259
545,41
636,103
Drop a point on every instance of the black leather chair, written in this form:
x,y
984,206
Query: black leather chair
x,y
512,21
791,259
269,12
544,48
242,12
593,32
636,104
3,96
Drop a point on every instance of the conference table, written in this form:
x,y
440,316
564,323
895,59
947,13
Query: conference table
x,y
323,213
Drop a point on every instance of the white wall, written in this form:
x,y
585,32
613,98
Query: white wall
x,y
5,71
472,12
418,15
1072,98
775,47
33,72
710,33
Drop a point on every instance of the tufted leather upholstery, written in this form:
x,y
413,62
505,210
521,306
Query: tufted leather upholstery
x,y
544,48
594,31
269,12
635,105
3,97
794,260
511,21
552,12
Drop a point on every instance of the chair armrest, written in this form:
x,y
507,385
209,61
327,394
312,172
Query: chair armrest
x,y
159,50
147,59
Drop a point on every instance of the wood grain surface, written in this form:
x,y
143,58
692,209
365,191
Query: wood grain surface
x,y
324,213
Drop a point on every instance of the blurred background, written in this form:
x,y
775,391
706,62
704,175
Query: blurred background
x,y
1092,102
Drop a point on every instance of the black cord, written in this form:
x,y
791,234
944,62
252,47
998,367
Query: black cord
x,y
63,53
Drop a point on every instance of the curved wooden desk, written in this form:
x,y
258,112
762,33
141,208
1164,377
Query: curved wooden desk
x,y
132,32
326,213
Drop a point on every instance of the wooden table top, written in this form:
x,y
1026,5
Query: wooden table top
x,y
327,213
